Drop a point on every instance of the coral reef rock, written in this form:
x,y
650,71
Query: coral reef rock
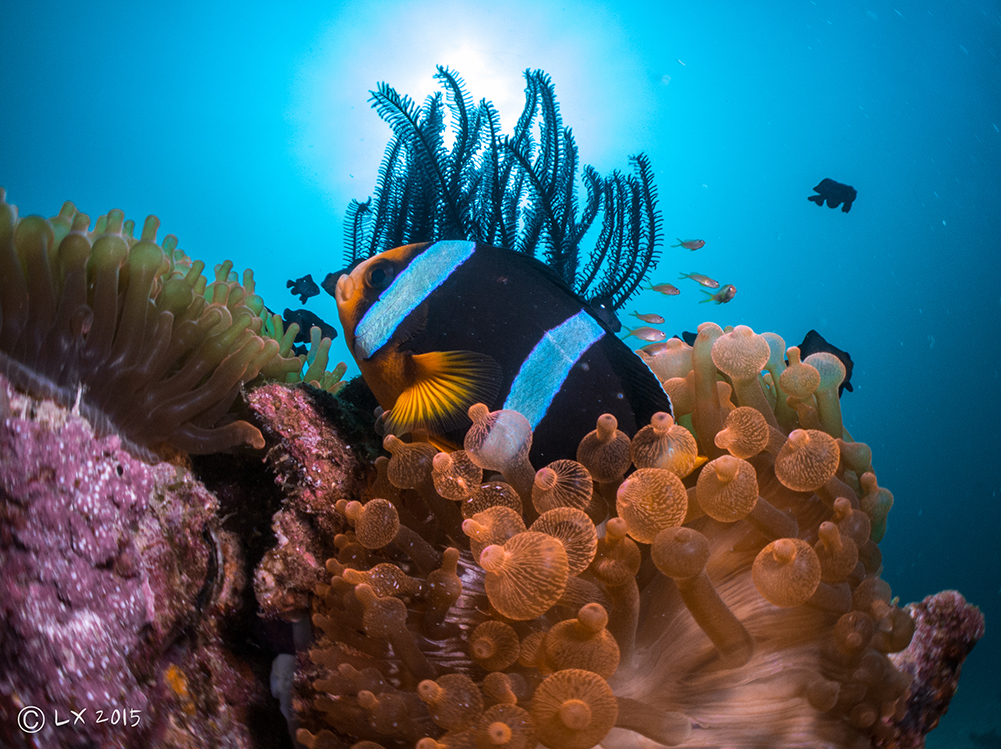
x,y
314,467
117,579
946,629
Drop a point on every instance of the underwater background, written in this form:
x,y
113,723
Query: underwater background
x,y
246,129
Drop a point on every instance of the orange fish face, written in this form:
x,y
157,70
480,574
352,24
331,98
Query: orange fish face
x,y
358,291
384,307
383,368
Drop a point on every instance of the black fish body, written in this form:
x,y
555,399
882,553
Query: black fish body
x,y
834,193
306,320
304,287
478,323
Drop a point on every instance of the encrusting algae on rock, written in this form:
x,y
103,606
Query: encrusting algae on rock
x,y
729,603
118,593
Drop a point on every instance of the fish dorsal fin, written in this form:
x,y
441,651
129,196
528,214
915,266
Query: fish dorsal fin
x,y
443,387
540,268
609,322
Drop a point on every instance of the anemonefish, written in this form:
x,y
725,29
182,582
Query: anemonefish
x,y
436,327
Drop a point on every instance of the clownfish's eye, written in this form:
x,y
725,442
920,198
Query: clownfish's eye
x,y
379,276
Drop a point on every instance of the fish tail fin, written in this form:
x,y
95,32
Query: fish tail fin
x,y
680,243
709,296
445,385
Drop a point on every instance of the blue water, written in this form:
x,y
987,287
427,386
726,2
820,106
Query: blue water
x,y
245,128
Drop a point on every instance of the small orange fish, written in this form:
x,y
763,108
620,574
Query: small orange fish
x,y
646,334
664,288
651,318
722,296
699,278
690,244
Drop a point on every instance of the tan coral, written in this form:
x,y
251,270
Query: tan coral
x,y
573,709
574,529
563,483
672,359
741,354
494,645
650,500
526,575
786,572
807,460
664,444
582,642
736,586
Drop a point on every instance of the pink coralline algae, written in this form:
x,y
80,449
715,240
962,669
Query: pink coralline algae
x,y
73,593
314,467
110,567
946,629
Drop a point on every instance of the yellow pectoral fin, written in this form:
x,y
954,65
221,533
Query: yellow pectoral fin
x,y
445,384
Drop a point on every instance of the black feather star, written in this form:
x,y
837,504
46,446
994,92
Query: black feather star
x,y
518,191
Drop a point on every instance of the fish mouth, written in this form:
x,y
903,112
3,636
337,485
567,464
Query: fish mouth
x,y
345,289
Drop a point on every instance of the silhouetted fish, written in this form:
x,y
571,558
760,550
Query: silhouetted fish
x,y
307,320
834,193
815,342
303,288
